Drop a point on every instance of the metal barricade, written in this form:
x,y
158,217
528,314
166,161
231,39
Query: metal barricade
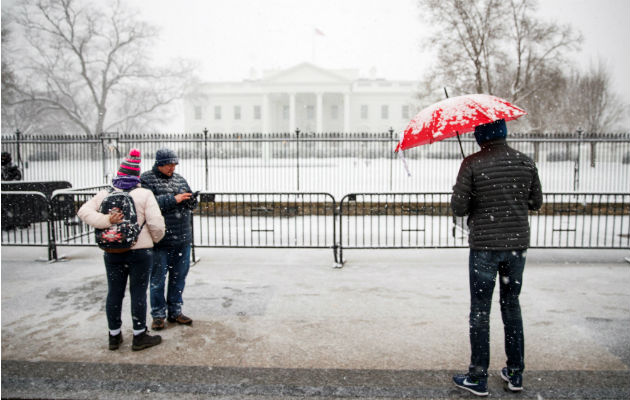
x,y
309,220
266,220
398,221
425,220
582,220
70,230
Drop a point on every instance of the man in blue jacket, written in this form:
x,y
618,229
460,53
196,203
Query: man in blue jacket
x,y
172,254
495,188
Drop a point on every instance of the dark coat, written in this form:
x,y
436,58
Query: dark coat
x,y
11,172
496,187
177,217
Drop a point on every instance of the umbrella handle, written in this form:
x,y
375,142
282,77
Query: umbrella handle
x,y
460,144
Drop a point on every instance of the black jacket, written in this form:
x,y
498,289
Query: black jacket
x,y
496,187
11,172
177,217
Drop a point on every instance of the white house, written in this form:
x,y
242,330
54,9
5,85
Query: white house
x,y
304,97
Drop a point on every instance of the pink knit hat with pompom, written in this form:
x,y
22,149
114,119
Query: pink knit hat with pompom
x,y
130,166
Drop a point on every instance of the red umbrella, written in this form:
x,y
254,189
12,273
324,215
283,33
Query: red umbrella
x,y
456,115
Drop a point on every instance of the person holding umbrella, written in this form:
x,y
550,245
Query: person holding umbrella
x,y
495,188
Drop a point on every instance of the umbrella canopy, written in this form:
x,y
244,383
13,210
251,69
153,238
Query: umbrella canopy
x,y
456,115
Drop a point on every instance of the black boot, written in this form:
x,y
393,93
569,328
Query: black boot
x,y
144,340
115,341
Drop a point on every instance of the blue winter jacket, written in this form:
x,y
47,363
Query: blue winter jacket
x,y
177,217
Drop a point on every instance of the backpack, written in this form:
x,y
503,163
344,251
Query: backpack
x,y
120,237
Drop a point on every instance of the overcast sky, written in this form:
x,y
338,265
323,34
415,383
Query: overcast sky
x,y
231,37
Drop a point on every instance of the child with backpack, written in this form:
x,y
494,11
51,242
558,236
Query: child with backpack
x,y
127,222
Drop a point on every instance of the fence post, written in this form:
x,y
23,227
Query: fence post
x,y
193,259
297,144
52,240
19,154
112,137
576,169
103,156
391,161
205,145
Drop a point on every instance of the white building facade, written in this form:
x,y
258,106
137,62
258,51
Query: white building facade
x,y
304,97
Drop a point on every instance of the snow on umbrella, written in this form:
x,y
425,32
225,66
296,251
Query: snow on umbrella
x,y
456,115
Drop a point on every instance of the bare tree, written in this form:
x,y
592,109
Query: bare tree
x,y
91,65
17,114
537,50
498,47
465,38
598,107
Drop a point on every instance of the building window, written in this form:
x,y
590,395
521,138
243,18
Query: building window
x,y
197,112
237,112
334,112
285,112
364,111
384,112
256,112
405,112
217,112
310,112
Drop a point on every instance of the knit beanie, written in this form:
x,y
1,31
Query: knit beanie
x,y
165,156
493,130
131,164
128,175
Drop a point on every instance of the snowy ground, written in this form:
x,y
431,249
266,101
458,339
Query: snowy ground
x,y
397,309
391,323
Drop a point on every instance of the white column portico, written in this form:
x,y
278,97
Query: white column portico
x,y
265,114
319,109
346,112
304,96
292,112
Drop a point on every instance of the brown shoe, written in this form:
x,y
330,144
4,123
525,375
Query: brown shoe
x,y
158,324
180,319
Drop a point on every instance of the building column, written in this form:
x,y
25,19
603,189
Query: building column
x,y
319,112
291,112
265,114
346,112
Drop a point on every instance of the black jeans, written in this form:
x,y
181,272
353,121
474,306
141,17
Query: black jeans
x,y
483,268
135,264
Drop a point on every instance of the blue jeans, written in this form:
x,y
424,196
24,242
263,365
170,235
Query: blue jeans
x,y
135,265
175,261
483,268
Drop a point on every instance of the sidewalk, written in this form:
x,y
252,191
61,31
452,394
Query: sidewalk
x,y
281,323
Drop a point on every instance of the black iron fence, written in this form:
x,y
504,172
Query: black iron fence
x,y
316,220
335,163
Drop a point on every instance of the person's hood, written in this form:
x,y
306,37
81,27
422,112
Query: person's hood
x,y
491,131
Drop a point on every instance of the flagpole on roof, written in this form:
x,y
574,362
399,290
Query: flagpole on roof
x,y
316,32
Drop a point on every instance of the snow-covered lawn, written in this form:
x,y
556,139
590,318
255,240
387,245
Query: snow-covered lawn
x,y
339,176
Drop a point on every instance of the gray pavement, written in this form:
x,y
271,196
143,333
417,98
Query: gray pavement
x,y
284,324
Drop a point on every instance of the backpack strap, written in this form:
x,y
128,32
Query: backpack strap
x,y
128,191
